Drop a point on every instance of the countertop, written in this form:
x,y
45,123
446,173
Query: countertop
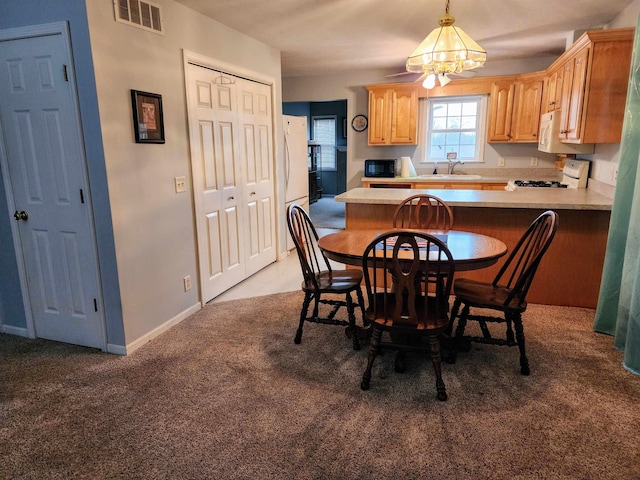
x,y
539,198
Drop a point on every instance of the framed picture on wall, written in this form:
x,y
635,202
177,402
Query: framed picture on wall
x,y
148,121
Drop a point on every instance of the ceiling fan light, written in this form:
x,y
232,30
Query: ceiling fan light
x,y
429,82
443,79
447,49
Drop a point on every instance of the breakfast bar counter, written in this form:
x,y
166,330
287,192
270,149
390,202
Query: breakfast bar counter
x,y
570,271
547,198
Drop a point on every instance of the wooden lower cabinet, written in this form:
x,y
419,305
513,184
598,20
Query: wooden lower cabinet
x,y
569,273
435,185
494,186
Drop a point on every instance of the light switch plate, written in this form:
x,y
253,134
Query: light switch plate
x,y
181,184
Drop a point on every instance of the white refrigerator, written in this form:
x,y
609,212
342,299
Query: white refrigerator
x,y
296,167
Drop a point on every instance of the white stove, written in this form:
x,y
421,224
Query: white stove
x,y
574,175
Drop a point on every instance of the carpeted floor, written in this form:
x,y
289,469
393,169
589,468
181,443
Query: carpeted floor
x,y
227,395
327,213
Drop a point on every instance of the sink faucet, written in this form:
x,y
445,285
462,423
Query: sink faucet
x,y
452,165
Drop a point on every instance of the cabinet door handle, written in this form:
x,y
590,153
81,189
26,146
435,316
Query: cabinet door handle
x,y
252,193
231,198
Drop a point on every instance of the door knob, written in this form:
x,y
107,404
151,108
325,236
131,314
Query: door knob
x,y
21,215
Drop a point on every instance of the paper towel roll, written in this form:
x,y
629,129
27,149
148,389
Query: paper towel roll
x,y
406,168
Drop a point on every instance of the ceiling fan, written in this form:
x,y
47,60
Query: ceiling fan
x,y
443,78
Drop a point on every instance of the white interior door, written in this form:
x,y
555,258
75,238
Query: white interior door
x,y
216,168
254,100
231,135
44,165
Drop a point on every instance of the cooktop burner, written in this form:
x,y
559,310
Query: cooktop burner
x,y
539,183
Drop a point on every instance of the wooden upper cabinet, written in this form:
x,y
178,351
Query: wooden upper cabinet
x,y
501,111
527,108
587,85
595,77
573,91
404,116
514,112
393,114
379,111
553,91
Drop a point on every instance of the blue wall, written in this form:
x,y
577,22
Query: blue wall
x,y
36,12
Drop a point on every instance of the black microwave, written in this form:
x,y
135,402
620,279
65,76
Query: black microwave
x,y
380,168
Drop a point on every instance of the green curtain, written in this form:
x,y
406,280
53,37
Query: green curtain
x,y
618,311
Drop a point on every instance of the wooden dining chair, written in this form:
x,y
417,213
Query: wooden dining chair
x,y
399,267
423,211
319,279
506,294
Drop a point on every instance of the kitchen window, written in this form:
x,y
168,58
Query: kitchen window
x,y
454,124
324,133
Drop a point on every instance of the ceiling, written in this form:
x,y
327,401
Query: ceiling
x,y
330,36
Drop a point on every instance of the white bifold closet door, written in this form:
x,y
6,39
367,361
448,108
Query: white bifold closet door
x,y
231,136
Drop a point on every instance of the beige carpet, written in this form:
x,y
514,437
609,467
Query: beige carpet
x,y
227,395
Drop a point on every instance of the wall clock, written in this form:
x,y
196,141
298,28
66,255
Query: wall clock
x,y
359,123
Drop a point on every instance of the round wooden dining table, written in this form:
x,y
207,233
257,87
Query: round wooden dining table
x,y
470,251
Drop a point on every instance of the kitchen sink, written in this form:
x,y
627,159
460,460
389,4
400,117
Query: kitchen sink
x,y
453,176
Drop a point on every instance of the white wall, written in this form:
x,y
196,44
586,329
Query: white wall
x,y
154,227
627,17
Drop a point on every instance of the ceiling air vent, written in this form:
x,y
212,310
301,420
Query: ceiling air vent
x,y
145,15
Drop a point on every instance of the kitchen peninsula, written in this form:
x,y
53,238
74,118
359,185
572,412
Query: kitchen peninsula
x,y
569,273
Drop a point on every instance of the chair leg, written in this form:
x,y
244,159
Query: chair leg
x,y
462,323
374,349
400,365
352,321
361,303
452,317
509,334
434,347
524,362
303,315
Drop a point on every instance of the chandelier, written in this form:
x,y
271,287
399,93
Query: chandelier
x,y
447,49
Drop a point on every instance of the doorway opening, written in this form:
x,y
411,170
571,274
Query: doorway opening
x,y
327,127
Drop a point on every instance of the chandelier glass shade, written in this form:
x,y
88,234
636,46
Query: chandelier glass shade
x,y
447,49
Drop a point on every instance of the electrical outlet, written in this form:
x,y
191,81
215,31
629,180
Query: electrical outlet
x,y
181,184
187,283
534,161
501,162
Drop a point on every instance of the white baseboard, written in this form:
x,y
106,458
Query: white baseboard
x,y
116,349
133,346
11,330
